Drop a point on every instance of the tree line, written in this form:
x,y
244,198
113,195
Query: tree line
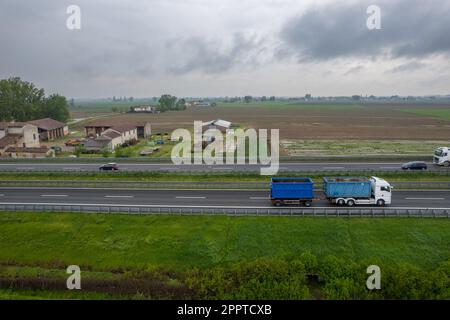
x,y
23,101
168,102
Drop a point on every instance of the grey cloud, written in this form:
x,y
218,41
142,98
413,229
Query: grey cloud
x,y
213,56
130,45
410,66
354,70
410,28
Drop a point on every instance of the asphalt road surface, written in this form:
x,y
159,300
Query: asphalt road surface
x,y
206,198
286,167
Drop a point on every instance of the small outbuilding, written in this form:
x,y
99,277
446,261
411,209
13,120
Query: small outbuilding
x,y
50,129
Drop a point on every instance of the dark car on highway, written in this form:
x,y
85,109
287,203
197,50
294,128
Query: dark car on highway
x,y
415,165
109,166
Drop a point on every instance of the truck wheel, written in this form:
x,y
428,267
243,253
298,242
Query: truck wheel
x,y
340,202
446,164
380,202
350,203
308,204
277,203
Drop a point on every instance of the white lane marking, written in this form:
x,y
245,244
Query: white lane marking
x,y
333,168
259,198
24,168
425,198
2,195
390,167
119,196
190,197
71,168
54,195
223,168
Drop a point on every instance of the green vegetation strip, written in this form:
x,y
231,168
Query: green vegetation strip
x,y
222,257
443,114
211,177
114,241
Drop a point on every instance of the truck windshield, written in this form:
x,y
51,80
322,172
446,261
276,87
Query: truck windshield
x,y
438,152
388,189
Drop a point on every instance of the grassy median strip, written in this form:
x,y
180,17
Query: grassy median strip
x,y
212,177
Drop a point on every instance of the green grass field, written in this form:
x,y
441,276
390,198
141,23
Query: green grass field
x,y
443,114
157,257
105,242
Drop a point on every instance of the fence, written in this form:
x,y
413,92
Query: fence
x,y
230,211
422,185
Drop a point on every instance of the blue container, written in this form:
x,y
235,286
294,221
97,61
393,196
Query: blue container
x,y
344,187
292,188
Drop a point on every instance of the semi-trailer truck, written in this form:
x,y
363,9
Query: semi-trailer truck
x,y
352,191
442,156
291,191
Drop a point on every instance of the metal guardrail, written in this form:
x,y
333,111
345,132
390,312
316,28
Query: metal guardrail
x,y
230,211
190,185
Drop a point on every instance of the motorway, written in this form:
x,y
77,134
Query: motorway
x,y
167,167
197,198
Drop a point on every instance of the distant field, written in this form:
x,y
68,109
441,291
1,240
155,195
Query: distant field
x,y
312,122
435,113
292,105
360,147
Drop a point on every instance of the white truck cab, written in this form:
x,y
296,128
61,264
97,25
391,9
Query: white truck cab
x,y
442,156
381,191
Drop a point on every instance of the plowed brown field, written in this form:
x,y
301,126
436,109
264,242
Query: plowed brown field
x,y
310,122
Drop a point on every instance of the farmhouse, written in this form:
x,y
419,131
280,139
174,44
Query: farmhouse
x,y
200,103
143,109
20,139
111,138
218,124
143,129
50,129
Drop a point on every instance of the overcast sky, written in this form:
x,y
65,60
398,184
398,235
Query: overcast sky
x,y
145,48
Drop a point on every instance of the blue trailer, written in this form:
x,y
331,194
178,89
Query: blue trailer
x,y
357,190
291,191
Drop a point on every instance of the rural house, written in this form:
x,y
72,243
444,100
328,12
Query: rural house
x,y
20,139
143,109
144,129
50,129
111,138
219,124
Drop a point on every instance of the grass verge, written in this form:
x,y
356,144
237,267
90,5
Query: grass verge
x,y
211,177
178,242
158,257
